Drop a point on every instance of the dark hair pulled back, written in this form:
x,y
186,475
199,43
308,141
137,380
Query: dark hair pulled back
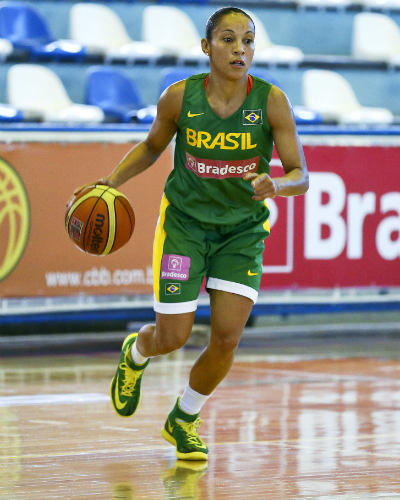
x,y
215,19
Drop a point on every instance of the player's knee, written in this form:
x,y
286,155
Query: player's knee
x,y
148,329
170,341
226,345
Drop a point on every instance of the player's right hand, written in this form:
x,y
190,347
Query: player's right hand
x,y
104,182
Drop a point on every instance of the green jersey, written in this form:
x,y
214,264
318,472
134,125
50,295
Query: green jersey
x,y
212,155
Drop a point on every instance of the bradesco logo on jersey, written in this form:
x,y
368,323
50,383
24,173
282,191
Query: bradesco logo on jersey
x,y
221,169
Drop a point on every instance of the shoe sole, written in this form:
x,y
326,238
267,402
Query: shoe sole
x,y
112,381
194,455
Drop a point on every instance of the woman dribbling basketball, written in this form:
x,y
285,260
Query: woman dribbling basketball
x,y
213,219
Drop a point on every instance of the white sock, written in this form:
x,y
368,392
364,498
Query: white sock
x,y
137,358
191,402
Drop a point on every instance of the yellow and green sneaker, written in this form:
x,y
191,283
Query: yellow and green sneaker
x,y
181,430
125,386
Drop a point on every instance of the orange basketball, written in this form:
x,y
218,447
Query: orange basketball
x,y
99,220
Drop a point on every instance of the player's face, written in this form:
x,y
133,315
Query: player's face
x,y
232,45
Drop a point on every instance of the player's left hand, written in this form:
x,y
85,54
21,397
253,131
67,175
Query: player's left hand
x,y
263,185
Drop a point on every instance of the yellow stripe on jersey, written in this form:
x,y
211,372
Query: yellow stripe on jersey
x,y
266,223
158,247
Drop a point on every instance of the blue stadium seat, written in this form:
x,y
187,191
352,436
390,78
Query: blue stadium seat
x,y
168,76
303,115
117,95
306,116
10,114
27,30
265,75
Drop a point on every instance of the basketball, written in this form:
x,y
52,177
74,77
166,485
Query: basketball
x,y
99,220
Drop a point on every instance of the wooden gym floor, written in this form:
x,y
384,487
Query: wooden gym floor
x,y
282,426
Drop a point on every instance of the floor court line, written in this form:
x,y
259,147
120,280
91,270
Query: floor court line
x,y
211,445
48,422
122,429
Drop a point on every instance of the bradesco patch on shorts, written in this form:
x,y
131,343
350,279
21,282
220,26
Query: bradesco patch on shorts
x,y
221,169
175,267
172,289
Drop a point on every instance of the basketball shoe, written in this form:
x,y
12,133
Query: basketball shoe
x,y
125,386
181,430
181,480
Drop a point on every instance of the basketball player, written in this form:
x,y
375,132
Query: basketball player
x,y
213,219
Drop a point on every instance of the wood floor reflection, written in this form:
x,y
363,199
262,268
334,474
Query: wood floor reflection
x,y
323,429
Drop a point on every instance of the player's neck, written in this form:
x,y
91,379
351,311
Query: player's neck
x,y
224,90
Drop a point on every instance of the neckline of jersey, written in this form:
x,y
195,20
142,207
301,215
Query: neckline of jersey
x,y
249,87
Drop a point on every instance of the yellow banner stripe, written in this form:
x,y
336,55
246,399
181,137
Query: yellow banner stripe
x,y
17,211
158,247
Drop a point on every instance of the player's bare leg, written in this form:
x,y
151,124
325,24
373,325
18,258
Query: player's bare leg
x,y
170,333
229,315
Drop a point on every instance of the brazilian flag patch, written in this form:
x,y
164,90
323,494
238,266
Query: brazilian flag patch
x,y
252,117
172,289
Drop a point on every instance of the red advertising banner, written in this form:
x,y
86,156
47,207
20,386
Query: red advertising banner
x,y
345,232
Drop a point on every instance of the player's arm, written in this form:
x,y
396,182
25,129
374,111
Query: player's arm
x,y
163,129
283,126
145,153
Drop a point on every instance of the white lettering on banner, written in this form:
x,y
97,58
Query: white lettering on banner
x,y
100,278
389,249
330,214
63,279
97,277
318,214
358,207
129,276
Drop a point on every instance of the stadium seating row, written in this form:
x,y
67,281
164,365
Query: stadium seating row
x,y
36,93
363,4
167,32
